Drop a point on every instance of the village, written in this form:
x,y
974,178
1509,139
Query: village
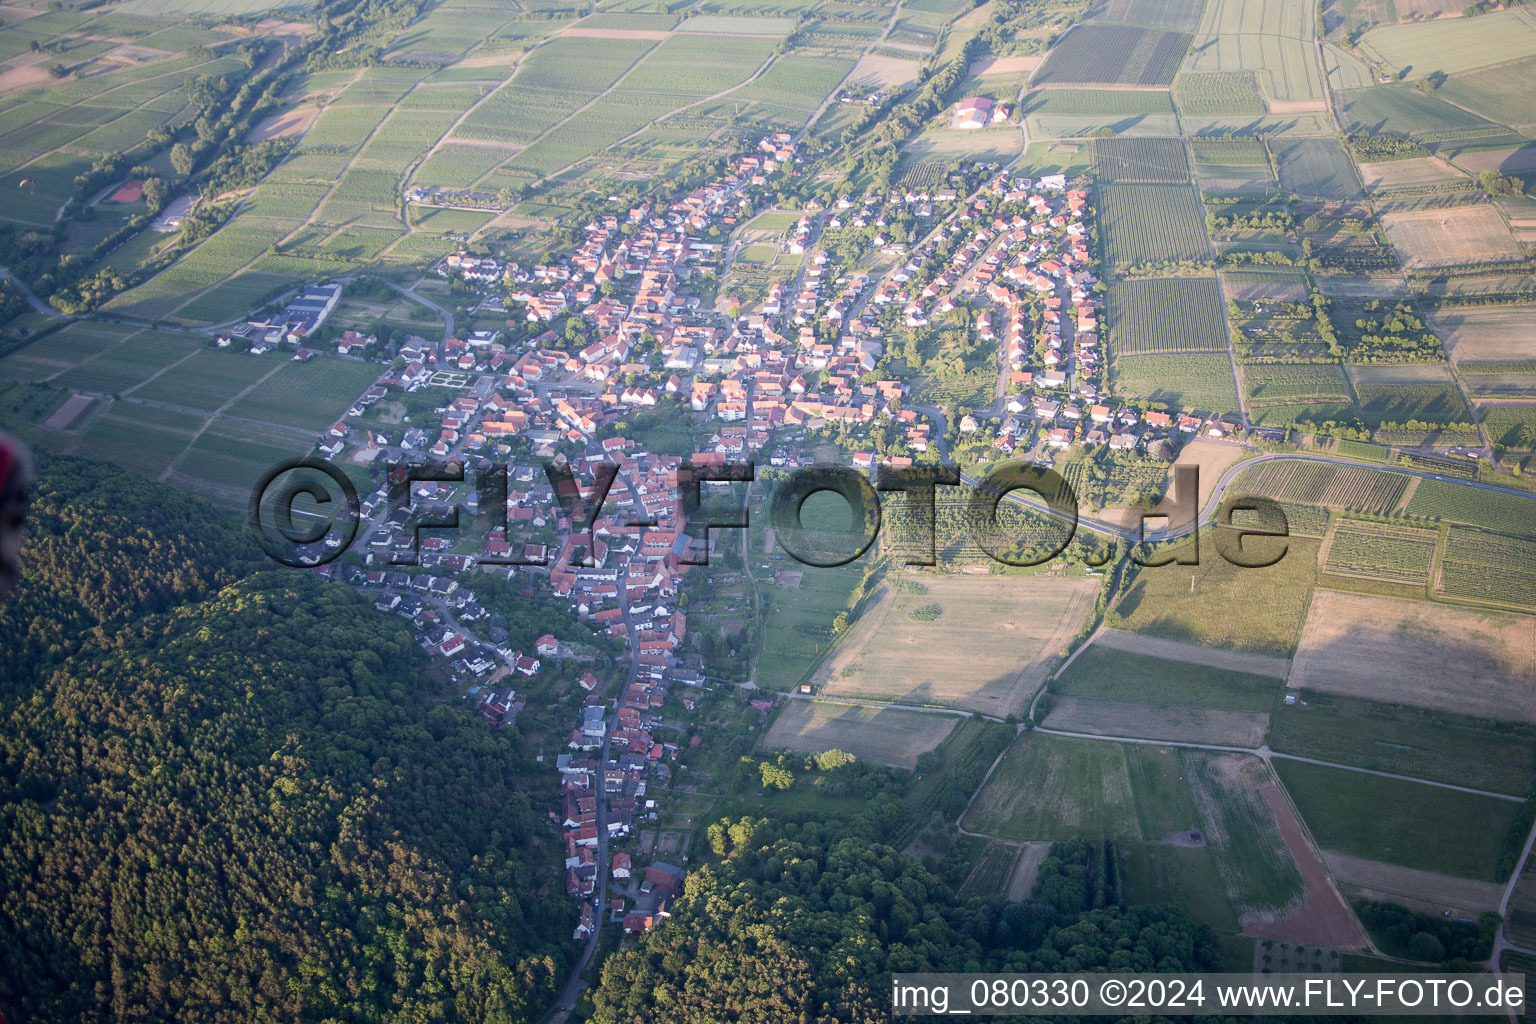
x,y
808,367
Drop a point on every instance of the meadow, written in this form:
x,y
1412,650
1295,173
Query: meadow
x,y
1106,673
1426,743
1407,823
1194,380
1261,609
1011,626
1052,787
1239,827
885,735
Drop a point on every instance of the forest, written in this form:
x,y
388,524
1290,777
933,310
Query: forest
x,y
229,795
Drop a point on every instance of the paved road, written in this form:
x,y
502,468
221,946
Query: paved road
x,y
1501,940
27,293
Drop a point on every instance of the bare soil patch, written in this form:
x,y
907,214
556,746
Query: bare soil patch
x,y
1017,65
1445,238
1144,721
1296,106
1427,655
24,77
1174,650
886,72
72,409
1425,891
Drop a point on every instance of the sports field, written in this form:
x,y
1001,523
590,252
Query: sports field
x,y
1469,662
1011,628
887,735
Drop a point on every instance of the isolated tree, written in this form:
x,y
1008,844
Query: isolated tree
x,y
181,159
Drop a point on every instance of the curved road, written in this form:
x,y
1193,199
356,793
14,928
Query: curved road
x,y
26,293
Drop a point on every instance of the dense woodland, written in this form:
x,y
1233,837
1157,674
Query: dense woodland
x,y
802,922
247,799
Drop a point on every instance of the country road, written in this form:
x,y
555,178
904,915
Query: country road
x,y
27,293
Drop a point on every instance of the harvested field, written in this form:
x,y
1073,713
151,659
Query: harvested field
x,y
1011,628
1151,722
1424,891
1173,650
1407,652
1017,65
1509,160
1395,174
1446,238
885,71
1251,286
887,735
1493,334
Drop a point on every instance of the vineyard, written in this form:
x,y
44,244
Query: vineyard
x,y
1323,484
1153,224
1141,161
1453,503
1361,450
1181,314
1385,552
1289,383
1489,567
1218,92
1234,152
1108,54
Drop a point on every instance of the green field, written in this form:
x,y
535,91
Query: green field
x,y
1141,161
1240,829
1193,380
1451,46
797,623
1155,317
1272,38
1051,787
1261,609
1317,168
1108,674
1407,823
208,379
311,395
1113,54
1433,745
1448,502
1228,92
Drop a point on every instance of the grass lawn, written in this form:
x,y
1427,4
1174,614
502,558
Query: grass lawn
x,y
1258,610
1406,823
1434,745
1053,787
1108,674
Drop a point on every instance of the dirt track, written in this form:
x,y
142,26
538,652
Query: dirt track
x,y
1174,650
1322,918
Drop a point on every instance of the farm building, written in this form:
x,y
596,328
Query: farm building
x,y
977,112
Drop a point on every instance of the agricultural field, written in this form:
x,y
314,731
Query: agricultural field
x,y
1395,651
1264,286
797,622
1488,568
1406,110
1051,787
1491,334
1105,672
1509,424
1170,723
1152,224
1407,823
1451,237
1316,168
1013,627
1271,38
1426,743
885,735
1281,384
207,379
1071,113
1094,53
144,439
1152,317
1382,552
1397,394
1193,380
1448,502
1174,601
310,396
1500,93
1417,173
1141,161
228,458
1258,871
1452,46
1221,92
1348,488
